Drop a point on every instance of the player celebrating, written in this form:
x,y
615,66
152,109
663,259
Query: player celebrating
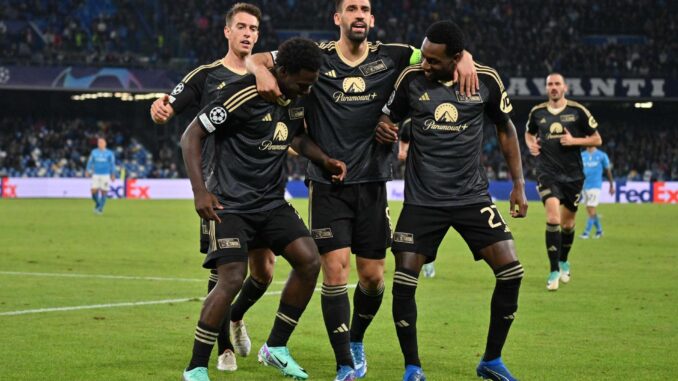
x,y
101,164
445,185
356,78
556,131
196,90
594,161
245,198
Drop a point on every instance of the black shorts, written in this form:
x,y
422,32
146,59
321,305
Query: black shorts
x,y
256,243
354,216
568,193
231,239
421,229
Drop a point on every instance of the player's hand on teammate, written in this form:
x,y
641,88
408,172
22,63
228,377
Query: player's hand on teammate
x,y
386,133
161,110
518,201
467,75
205,204
534,148
337,168
267,86
567,139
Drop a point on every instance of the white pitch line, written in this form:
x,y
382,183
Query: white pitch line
x,y
104,276
114,305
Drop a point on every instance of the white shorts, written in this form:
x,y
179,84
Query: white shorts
x,y
101,182
591,197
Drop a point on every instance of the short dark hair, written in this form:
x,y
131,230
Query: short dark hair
x,y
340,3
448,33
299,53
243,7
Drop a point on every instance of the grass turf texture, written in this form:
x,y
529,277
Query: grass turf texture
x,y
615,320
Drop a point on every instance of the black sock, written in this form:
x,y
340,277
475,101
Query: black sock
x,y
503,307
336,313
553,244
204,339
366,303
405,313
250,293
286,320
566,237
223,341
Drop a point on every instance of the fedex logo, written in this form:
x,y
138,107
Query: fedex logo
x,y
136,191
7,190
634,192
665,193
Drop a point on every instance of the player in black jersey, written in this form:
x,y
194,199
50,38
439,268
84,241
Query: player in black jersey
x,y
196,90
245,198
356,78
445,185
556,132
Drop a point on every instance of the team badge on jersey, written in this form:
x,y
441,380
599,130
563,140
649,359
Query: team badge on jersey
x,y
218,115
178,89
296,113
373,67
463,98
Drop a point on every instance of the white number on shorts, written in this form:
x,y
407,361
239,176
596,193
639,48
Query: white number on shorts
x,y
489,209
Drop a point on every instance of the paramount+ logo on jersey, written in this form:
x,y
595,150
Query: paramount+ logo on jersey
x,y
353,91
279,142
445,117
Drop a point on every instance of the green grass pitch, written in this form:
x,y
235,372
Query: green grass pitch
x,y
615,320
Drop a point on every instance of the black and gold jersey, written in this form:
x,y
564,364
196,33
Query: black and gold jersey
x,y
558,163
443,165
195,91
251,137
344,107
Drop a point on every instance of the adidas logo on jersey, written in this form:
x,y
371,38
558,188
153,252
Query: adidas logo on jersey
x,y
331,73
341,329
424,97
267,118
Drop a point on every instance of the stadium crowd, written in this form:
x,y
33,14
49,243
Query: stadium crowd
x,y
60,148
608,37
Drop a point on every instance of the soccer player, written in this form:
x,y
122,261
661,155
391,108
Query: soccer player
x,y
405,132
245,198
594,161
197,89
356,78
445,185
556,131
101,164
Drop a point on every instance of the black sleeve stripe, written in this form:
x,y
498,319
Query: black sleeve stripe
x,y
492,73
579,106
409,69
235,98
198,69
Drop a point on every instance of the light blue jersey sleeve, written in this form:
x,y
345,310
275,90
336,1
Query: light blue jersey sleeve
x,y
606,160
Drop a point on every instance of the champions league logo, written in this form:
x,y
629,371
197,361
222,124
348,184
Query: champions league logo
x,y
178,89
218,115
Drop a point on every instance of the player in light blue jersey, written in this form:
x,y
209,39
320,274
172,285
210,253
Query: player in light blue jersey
x,y
101,164
595,161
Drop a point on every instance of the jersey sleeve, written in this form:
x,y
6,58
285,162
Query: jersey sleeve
x,y
498,106
588,123
398,106
227,107
189,91
606,161
405,130
403,55
531,125
111,159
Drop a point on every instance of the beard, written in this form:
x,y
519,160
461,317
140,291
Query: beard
x,y
358,36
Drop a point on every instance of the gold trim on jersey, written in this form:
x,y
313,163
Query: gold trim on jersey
x,y
580,106
555,111
234,70
355,62
329,45
407,70
242,96
481,69
199,68
310,205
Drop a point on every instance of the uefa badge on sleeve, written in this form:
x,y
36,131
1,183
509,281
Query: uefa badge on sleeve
x,y
218,115
178,89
